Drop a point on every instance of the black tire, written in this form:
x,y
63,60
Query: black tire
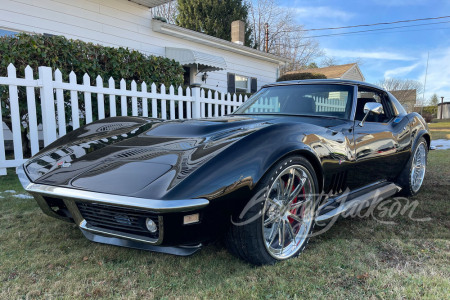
x,y
405,179
245,238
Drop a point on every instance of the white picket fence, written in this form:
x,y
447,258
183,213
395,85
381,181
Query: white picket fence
x,y
145,101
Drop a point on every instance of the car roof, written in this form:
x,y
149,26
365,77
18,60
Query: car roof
x,y
325,81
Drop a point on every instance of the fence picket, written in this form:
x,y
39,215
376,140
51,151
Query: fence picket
x,y
112,98
216,105
2,145
15,114
32,117
47,105
123,98
202,104
172,102
180,103
209,104
100,98
74,102
134,103
87,100
154,103
61,114
144,100
188,104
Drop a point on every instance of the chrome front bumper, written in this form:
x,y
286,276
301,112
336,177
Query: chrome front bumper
x,y
71,196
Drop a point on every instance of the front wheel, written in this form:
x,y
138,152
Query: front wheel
x,y
278,222
412,177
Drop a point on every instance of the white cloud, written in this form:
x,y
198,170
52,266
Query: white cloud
x,y
366,54
400,71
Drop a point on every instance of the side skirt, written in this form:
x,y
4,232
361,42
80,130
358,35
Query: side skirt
x,y
359,198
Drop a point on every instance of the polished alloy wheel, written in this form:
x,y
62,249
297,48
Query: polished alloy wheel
x,y
288,212
419,164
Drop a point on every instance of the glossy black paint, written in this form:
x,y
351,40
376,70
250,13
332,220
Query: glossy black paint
x,y
221,159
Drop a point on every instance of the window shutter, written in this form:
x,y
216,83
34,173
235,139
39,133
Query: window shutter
x,y
254,85
231,83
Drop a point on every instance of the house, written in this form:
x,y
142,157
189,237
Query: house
x,y
347,71
212,62
407,98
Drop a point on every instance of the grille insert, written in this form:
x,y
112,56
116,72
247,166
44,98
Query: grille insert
x,y
120,219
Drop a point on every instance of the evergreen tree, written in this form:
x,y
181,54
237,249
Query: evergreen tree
x,y
213,17
434,100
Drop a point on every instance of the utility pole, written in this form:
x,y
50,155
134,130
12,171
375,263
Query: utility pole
x,y
442,106
425,84
267,38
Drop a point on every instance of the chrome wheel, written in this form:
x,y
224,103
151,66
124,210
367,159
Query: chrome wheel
x,y
288,212
418,167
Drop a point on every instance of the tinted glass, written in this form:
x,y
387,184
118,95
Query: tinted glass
x,y
318,99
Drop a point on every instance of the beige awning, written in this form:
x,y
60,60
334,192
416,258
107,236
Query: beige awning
x,y
204,61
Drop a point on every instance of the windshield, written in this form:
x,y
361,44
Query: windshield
x,y
310,99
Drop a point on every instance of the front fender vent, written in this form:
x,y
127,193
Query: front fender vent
x,y
338,183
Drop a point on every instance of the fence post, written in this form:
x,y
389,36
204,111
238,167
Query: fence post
x,y
48,105
195,88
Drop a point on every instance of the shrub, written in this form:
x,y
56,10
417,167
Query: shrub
x,y
68,55
300,76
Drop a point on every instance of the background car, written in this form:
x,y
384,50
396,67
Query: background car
x,y
296,154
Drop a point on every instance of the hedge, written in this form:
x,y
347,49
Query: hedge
x,y
69,55
300,76
74,55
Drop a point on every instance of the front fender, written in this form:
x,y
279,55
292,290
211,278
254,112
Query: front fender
x,y
242,165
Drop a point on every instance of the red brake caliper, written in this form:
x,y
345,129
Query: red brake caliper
x,y
295,211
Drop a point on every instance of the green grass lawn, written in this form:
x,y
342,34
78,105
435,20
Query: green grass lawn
x,y
440,129
41,257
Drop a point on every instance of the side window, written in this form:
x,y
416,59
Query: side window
x,y
366,95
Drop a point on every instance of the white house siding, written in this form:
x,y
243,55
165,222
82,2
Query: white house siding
x,y
353,74
120,23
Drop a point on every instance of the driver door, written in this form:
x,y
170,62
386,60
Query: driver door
x,y
378,142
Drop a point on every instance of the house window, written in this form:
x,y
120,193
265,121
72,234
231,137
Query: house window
x,y
4,32
241,84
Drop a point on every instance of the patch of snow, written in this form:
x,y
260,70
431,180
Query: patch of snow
x,y
23,196
440,144
1,197
10,191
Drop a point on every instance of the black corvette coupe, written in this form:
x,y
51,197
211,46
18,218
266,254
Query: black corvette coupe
x,y
294,155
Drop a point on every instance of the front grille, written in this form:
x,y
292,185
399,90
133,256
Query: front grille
x,y
119,219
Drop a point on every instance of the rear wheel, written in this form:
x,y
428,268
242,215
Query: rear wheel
x,y
278,223
413,175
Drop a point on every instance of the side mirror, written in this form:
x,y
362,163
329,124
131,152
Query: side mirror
x,y
371,107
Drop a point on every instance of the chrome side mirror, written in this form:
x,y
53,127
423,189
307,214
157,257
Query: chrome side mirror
x,y
371,107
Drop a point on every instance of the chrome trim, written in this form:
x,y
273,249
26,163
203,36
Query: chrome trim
x,y
23,178
377,194
355,100
154,205
133,237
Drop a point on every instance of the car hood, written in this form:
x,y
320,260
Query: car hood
x,y
127,154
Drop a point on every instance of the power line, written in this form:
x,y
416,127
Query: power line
x,y
374,24
371,30
369,33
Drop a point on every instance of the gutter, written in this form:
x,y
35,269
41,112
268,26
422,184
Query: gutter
x,y
204,39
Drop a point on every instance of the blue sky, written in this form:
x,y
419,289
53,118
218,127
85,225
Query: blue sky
x,y
400,53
